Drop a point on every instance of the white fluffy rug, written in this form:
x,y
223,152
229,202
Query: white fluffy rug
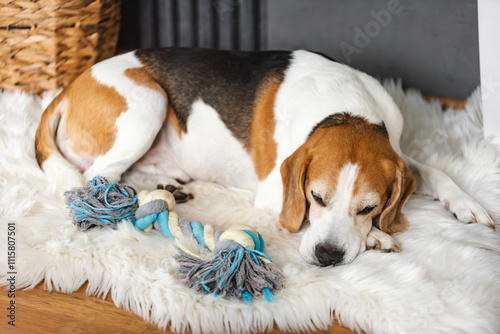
x,y
445,280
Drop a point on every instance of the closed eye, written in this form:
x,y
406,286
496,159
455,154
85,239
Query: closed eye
x,y
318,199
367,210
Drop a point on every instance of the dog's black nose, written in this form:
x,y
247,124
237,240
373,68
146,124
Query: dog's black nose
x,y
328,255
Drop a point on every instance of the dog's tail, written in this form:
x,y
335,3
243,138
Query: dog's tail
x,y
47,153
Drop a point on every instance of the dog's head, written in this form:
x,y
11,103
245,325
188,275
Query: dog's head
x,y
343,179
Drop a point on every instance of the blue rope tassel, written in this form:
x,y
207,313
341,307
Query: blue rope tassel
x,y
100,203
239,268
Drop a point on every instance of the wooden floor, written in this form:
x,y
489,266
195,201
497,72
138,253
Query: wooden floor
x,y
446,102
41,312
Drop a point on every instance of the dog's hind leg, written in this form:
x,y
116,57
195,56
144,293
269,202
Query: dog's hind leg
x,y
137,127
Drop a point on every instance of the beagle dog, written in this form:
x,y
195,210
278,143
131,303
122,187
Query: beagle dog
x,y
314,139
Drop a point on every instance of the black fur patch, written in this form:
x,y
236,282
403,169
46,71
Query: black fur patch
x,y
226,80
345,118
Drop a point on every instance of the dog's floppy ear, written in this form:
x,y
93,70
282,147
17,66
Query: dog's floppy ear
x,y
293,173
392,219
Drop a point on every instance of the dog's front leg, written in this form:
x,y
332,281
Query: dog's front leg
x,y
434,182
382,241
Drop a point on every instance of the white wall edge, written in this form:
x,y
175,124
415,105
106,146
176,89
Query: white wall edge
x,y
489,55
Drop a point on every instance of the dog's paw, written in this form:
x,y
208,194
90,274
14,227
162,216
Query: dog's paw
x,y
381,241
467,210
180,197
454,199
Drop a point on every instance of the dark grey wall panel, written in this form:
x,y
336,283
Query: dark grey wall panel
x,y
222,24
226,24
206,19
148,21
247,18
187,23
430,44
166,23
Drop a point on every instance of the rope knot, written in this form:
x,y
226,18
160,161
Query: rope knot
x,y
156,210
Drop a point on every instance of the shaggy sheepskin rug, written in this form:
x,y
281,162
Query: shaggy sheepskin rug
x,y
445,280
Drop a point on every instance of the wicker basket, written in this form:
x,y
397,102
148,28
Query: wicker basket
x,y
45,44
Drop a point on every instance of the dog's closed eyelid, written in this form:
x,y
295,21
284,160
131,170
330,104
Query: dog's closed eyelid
x,y
318,199
367,210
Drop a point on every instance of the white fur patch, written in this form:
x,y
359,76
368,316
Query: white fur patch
x,y
209,151
335,226
315,87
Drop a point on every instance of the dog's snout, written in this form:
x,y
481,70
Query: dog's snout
x,y
328,255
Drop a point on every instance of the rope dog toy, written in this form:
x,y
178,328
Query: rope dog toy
x,y
239,267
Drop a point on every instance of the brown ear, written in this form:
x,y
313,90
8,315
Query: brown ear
x,y
392,219
293,172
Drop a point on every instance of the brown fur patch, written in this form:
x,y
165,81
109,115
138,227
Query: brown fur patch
x,y
141,77
262,147
44,138
90,119
174,121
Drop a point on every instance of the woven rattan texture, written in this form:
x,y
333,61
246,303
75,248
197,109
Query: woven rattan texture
x,y
45,44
